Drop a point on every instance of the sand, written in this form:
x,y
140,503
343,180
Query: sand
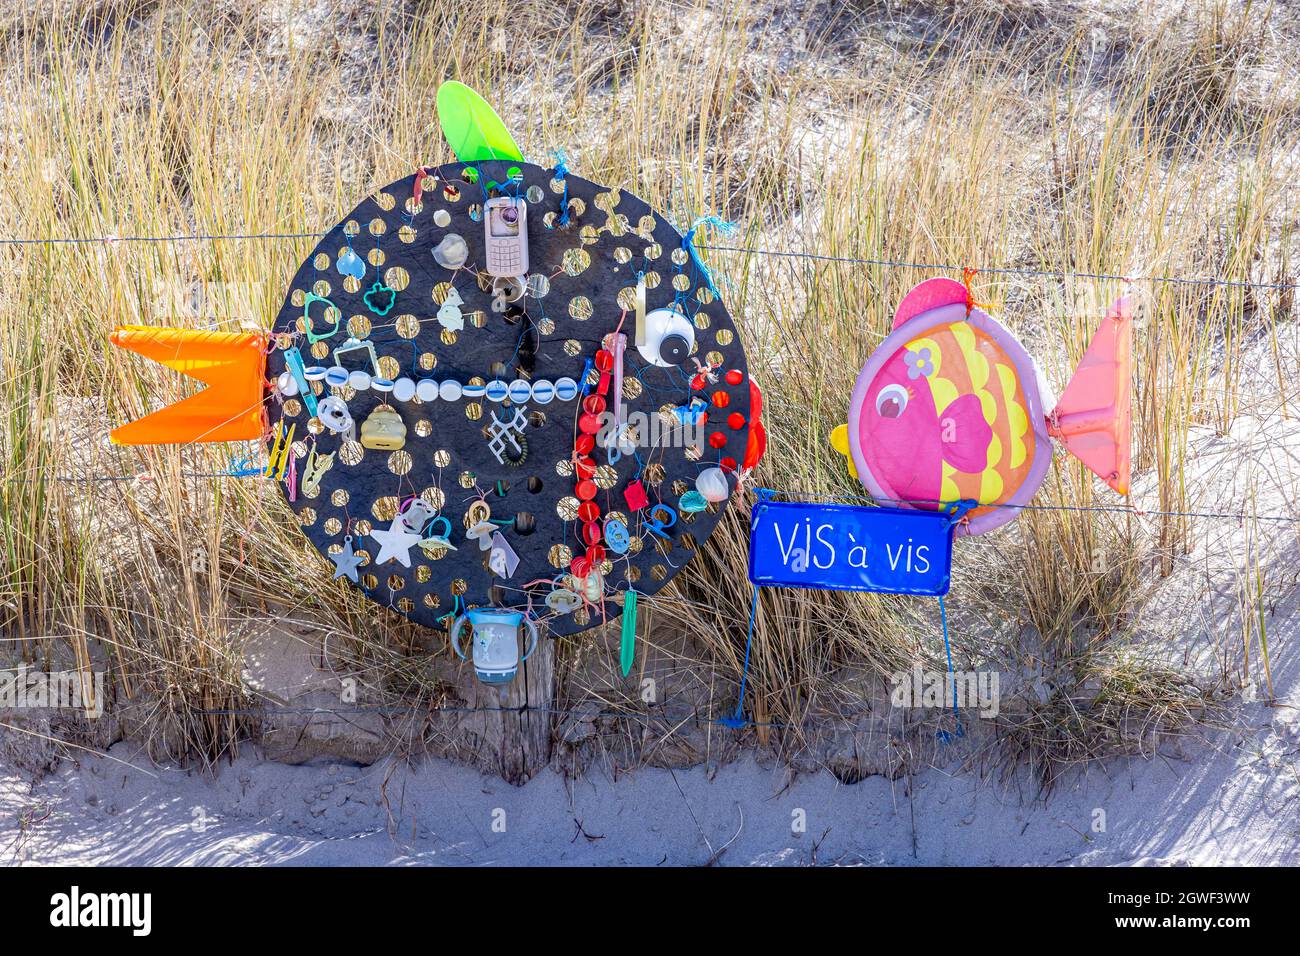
x,y
1235,801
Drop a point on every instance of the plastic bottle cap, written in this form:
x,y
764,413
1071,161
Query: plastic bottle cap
x,y
566,389
543,391
588,511
448,390
426,390
521,391
336,376
384,385
287,384
497,390
404,389
359,380
586,489
314,373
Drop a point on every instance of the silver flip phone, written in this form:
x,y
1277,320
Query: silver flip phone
x,y
506,223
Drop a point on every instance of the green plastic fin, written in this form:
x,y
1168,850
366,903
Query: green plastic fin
x,y
471,127
627,654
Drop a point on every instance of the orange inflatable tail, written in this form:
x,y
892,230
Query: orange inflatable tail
x,y
233,364
1093,419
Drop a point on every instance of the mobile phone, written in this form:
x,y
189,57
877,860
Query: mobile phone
x,y
506,224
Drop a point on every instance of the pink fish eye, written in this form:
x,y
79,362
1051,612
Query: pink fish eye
x,y
891,401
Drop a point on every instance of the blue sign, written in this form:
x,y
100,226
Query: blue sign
x,y
850,548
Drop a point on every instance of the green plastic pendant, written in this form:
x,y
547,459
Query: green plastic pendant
x,y
627,652
471,127
312,335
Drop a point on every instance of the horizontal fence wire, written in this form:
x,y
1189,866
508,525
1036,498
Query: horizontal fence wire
x,y
1023,271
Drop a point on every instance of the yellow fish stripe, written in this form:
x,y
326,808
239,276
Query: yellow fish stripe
x,y
1017,418
991,485
995,451
944,392
948,490
976,363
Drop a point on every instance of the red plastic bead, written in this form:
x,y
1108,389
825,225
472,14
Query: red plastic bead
x,y
717,439
588,511
586,489
585,444
735,377
720,398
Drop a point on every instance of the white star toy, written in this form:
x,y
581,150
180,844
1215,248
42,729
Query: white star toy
x,y
396,542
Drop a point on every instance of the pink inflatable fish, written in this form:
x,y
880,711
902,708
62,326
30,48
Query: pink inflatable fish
x,y
950,408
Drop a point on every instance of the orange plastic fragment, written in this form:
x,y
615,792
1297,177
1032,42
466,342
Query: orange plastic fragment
x,y
756,445
233,364
1094,416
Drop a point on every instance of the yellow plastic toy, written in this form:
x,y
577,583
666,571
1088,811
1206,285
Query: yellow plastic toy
x,y
383,430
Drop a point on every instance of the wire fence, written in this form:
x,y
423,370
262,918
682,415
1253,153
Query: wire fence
x,y
1057,274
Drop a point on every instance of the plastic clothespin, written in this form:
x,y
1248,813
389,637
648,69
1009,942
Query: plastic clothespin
x,y
281,449
317,465
293,362
291,479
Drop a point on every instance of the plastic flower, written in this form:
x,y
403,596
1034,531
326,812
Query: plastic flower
x,y
918,363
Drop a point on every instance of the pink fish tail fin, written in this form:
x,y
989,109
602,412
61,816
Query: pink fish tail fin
x,y
1093,419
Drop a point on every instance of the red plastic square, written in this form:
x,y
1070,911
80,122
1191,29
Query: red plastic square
x,y
635,496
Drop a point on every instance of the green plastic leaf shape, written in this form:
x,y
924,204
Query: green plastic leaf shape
x,y
471,127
